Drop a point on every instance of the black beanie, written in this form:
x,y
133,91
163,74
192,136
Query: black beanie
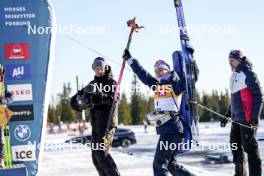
x,y
99,62
237,55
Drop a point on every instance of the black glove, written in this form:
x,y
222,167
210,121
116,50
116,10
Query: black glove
x,y
8,95
175,77
126,55
224,122
255,122
74,104
190,49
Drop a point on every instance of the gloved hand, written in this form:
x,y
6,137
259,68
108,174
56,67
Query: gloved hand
x,y
126,55
8,95
255,122
108,139
75,104
190,49
175,77
224,122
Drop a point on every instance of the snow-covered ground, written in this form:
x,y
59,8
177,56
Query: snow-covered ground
x,y
60,160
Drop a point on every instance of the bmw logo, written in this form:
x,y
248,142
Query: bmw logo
x,y
22,132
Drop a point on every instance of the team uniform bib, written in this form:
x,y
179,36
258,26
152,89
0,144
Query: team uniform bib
x,y
165,99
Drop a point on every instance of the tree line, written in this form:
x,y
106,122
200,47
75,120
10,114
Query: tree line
x,y
133,111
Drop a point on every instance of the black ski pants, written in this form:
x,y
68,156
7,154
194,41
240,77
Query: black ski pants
x,y
245,140
104,165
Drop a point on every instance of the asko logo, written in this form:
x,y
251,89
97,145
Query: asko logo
x,y
24,153
16,51
21,92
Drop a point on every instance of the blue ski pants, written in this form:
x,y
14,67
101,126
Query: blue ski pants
x,y
165,157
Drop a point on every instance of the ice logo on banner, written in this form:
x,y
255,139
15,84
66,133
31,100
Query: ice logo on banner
x,y
18,72
22,132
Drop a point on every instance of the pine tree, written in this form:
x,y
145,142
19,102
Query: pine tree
x,y
205,101
150,104
224,102
124,111
137,105
214,103
63,107
52,117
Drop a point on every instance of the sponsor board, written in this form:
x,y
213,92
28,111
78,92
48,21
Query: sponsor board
x,y
21,92
16,51
22,132
24,152
21,113
18,72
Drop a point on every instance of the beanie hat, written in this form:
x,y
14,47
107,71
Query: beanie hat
x,y
237,55
98,62
162,64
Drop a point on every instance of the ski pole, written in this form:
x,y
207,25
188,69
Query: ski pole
x,y
77,83
93,50
108,136
8,157
134,27
224,117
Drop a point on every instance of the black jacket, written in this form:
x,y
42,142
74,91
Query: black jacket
x,y
99,114
246,94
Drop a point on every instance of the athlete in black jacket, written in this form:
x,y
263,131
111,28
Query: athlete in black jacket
x,y
98,96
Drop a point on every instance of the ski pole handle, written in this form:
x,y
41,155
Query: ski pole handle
x,y
133,25
134,28
176,3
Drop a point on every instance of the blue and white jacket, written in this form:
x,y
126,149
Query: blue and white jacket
x,y
246,94
177,84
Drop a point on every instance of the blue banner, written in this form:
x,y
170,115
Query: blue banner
x,y
17,72
26,50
